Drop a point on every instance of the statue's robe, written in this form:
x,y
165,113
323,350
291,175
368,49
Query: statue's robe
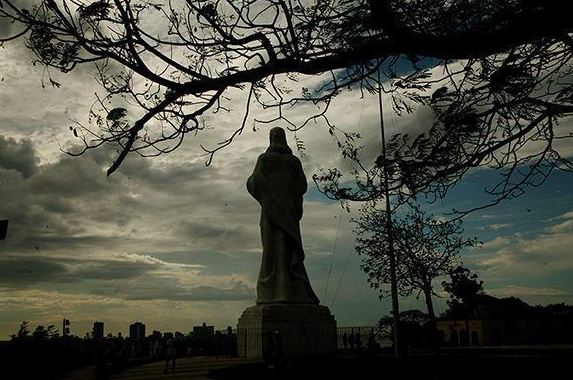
x,y
278,184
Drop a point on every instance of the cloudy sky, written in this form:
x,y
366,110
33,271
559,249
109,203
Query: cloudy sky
x,y
173,243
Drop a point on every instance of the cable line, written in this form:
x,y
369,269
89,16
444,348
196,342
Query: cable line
x,y
339,223
341,277
333,254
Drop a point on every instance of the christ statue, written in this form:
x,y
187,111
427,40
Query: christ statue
x,y
278,184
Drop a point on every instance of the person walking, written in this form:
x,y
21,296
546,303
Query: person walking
x,y
170,355
351,340
357,340
279,353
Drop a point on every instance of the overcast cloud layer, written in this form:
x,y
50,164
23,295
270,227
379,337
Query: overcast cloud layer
x,y
172,243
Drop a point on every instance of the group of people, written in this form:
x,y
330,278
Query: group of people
x,y
111,350
352,341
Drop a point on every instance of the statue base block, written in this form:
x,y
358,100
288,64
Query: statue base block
x,y
305,329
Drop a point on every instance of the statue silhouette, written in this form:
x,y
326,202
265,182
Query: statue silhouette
x,y
278,184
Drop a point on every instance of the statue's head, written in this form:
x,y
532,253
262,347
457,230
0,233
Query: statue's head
x,y
278,142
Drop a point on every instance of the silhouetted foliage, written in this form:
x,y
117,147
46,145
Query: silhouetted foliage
x,y
502,87
40,333
23,332
559,310
43,353
465,290
44,333
425,249
415,327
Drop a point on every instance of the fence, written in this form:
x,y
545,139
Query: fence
x,y
360,336
250,342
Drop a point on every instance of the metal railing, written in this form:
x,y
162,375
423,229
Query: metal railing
x,y
360,336
251,343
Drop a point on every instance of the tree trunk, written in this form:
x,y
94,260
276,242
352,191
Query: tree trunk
x,y
429,304
433,341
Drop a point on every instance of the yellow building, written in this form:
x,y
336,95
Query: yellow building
x,y
455,332
506,321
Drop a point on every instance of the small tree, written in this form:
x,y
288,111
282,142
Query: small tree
x,y
425,247
413,327
23,332
42,333
464,290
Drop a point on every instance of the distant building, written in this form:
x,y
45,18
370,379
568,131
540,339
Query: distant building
x,y
202,339
137,331
97,330
203,332
505,321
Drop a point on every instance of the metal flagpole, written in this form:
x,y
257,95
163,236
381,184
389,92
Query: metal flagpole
x,y
391,252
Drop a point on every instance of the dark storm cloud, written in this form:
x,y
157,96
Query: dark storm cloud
x,y
9,28
52,204
55,202
57,205
17,273
19,156
159,286
69,178
204,230
199,293
5,27
66,211
112,270
172,178
23,271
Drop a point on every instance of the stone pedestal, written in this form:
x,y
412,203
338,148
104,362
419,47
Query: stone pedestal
x,y
305,329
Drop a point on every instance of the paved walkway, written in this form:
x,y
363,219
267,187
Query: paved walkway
x,y
185,368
